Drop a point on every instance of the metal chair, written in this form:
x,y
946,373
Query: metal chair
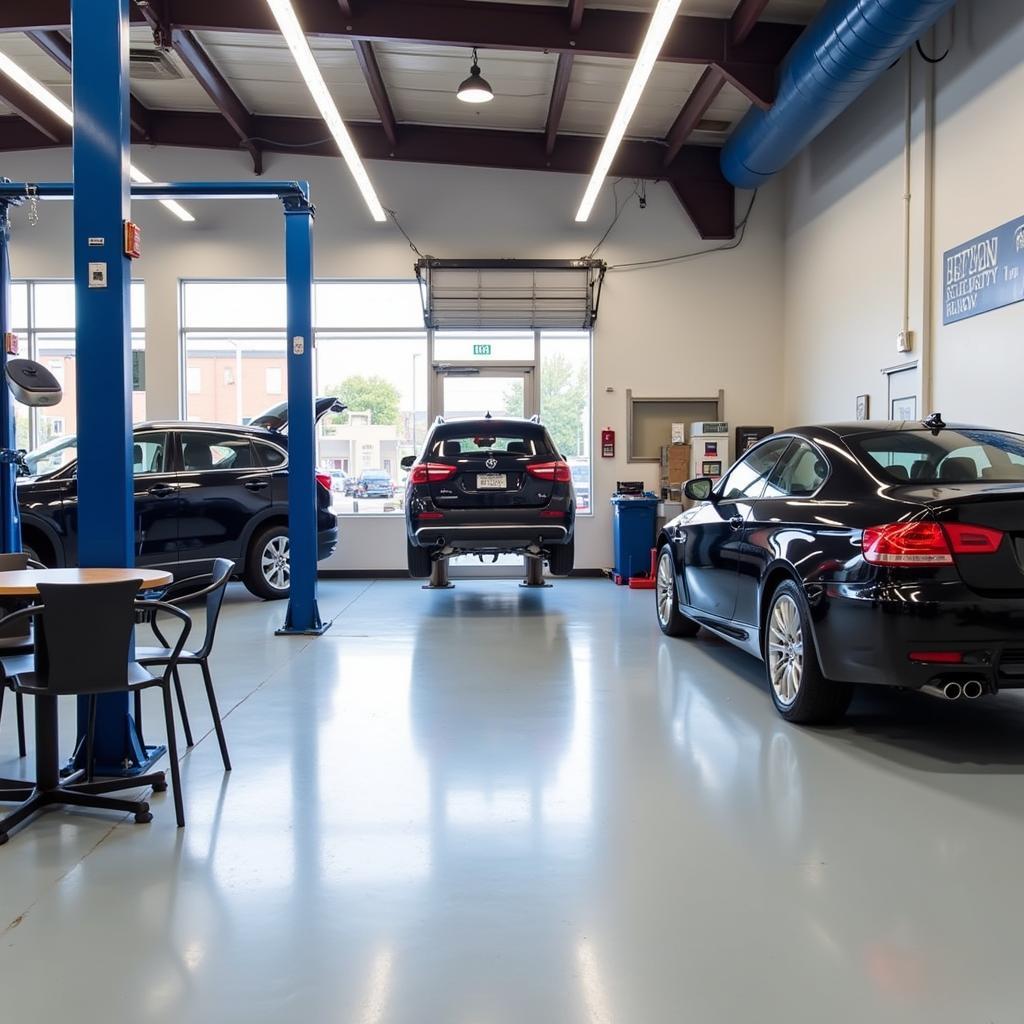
x,y
85,635
177,593
15,641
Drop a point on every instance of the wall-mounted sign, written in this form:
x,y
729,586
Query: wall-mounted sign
x,y
984,274
481,350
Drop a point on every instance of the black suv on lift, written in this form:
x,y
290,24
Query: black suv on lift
x,y
202,491
489,487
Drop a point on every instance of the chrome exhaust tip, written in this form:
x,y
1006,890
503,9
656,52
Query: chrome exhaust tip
x,y
946,691
973,689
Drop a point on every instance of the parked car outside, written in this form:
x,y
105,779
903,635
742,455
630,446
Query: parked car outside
x,y
375,483
489,486
878,553
202,491
339,478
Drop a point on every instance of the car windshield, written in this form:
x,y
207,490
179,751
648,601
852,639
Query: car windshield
x,y
946,457
506,443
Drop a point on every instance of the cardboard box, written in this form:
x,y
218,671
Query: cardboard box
x,y
676,463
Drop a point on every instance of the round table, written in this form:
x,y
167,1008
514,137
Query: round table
x,y
23,582
48,788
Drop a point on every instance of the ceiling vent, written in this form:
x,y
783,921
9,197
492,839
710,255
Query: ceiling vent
x,y
152,65
707,124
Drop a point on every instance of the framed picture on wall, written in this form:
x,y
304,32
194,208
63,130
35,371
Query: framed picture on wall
x,y
863,407
904,408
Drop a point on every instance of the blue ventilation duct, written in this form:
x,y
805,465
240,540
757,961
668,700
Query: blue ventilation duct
x,y
841,53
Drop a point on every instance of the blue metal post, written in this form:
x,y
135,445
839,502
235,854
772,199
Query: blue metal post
x,y
10,518
303,615
106,505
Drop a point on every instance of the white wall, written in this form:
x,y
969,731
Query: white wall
x,y
843,231
685,329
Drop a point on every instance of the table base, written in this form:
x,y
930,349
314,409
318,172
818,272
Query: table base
x,y
72,792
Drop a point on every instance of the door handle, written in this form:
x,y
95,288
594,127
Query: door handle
x,y
736,522
161,490
256,485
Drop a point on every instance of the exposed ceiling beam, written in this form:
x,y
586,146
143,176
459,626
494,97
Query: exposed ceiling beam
x,y
757,82
495,26
29,109
703,95
560,89
345,7
216,86
694,172
375,83
58,47
19,134
744,18
575,14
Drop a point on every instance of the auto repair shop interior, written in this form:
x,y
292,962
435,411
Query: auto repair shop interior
x,y
511,511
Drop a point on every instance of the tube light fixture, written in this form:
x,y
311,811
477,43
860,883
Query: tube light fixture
x,y
57,106
296,40
657,31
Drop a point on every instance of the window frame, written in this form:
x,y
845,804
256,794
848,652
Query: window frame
x,y
720,487
798,440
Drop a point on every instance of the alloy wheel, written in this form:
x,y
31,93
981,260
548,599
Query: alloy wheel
x,y
785,650
275,563
665,588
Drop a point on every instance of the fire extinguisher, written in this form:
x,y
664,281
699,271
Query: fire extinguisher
x,y
608,443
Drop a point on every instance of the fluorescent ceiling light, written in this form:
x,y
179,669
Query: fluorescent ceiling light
x,y
296,40
58,107
657,31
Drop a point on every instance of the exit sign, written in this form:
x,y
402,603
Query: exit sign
x,y
481,350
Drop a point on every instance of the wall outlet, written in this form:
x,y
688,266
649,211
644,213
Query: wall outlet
x,y
905,341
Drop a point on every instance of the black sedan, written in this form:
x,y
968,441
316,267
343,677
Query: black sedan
x,y
882,553
202,491
489,487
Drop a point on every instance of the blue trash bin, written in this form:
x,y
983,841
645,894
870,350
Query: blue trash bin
x,y
633,520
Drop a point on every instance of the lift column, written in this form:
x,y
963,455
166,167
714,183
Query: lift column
x,y
303,614
10,519
106,510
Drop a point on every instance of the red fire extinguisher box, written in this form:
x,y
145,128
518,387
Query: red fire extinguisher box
x,y
607,443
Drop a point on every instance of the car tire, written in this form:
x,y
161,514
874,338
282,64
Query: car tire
x,y
265,575
799,689
419,561
671,620
561,559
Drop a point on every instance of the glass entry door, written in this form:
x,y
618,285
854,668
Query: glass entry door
x,y
471,392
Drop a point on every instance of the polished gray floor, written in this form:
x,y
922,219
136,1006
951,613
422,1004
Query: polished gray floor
x,y
497,806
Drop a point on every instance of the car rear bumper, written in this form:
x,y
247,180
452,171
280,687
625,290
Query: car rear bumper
x,y
866,634
326,542
490,537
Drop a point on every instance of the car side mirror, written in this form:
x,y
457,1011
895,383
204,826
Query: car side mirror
x,y
408,462
699,489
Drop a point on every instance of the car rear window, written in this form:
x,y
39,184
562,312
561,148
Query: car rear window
x,y
503,443
948,457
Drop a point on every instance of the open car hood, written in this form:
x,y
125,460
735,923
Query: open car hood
x,y
276,417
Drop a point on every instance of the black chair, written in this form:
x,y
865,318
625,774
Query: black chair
x,y
15,641
84,635
212,588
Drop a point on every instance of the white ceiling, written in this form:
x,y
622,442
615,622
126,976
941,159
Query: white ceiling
x,y
421,80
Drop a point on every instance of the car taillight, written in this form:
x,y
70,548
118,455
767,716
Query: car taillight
x,y
937,657
910,544
324,480
559,472
431,473
968,539
552,513
907,544
430,515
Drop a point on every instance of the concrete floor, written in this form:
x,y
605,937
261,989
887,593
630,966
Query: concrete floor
x,y
493,806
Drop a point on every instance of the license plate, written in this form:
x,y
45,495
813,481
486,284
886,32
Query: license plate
x,y
491,481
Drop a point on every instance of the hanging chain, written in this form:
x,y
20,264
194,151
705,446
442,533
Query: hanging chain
x,y
33,204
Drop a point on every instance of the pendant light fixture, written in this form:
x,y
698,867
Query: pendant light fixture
x,y
476,88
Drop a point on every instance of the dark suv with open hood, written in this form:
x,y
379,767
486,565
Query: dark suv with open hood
x,y
202,491
487,487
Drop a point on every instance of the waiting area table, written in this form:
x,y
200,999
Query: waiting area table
x,y
49,788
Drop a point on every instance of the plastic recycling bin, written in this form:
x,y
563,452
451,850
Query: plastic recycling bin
x,y
633,521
